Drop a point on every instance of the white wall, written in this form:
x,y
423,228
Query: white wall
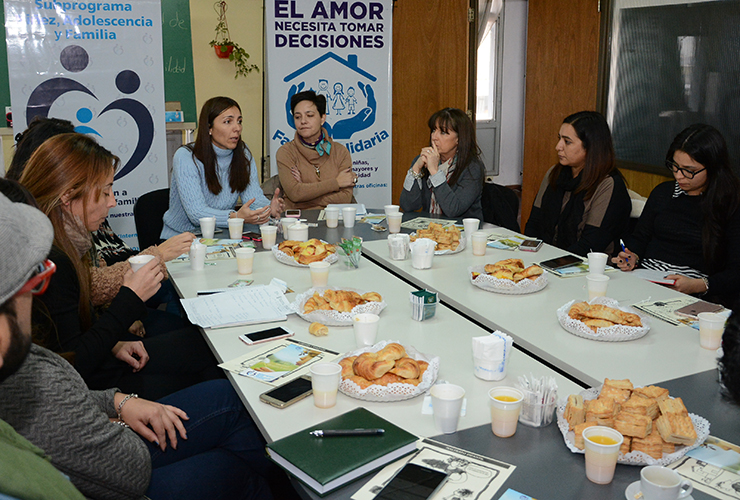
x,y
511,153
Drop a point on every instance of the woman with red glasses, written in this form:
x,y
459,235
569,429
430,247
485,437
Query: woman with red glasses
x,y
690,227
71,178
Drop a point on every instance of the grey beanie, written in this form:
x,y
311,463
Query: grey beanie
x,y
26,235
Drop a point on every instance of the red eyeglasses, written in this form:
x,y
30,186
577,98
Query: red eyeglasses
x,y
39,282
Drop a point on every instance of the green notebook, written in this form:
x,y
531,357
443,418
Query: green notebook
x,y
325,464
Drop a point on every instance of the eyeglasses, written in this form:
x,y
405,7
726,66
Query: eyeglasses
x,y
39,282
689,174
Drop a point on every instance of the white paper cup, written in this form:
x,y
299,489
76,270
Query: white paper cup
x,y
348,216
478,241
325,384
506,402
207,226
597,284
269,236
244,260
366,328
138,261
391,209
319,273
596,262
602,449
332,217
236,228
711,328
394,222
470,226
447,400
197,256
661,483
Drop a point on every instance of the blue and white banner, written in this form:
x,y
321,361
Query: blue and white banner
x,y
341,49
98,65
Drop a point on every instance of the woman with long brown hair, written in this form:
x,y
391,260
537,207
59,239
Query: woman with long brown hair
x,y
209,176
71,178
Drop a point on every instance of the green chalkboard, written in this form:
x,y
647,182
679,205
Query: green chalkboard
x,y
179,82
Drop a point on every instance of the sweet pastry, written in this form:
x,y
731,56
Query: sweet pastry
x,y
631,424
318,330
392,351
338,300
346,365
600,316
447,238
578,431
574,412
390,365
676,428
674,405
619,395
619,384
651,445
305,252
641,406
369,366
406,368
651,392
512,269
625,447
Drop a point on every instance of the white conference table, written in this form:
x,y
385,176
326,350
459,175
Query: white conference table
x,y
666,352
447,335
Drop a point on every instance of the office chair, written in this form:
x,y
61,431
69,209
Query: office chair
x,y
148,212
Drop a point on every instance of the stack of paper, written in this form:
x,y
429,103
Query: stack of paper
x,y
258,304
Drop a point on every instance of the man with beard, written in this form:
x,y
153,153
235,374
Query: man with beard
x,y
25,241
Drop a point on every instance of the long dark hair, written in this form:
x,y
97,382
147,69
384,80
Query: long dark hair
x,y
593,131
467,148
203,148
30,139
705,145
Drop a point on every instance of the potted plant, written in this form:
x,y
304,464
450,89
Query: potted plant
x,y
228,49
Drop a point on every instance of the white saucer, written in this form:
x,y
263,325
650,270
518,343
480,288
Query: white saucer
x,y
633,490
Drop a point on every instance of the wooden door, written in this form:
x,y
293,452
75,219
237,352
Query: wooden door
x,y
431,54
562,75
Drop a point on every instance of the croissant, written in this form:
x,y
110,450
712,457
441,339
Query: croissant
x,y
392,352
318,330
372,297
369,366
346,365
406,368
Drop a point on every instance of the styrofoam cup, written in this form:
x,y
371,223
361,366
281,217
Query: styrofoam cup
x,y
348,216
596,262
138,261
470,226
366,328
394,222
207,227
236,227
325,384
711,328
332,217
244,260
597,284
319,273
447,400
269,236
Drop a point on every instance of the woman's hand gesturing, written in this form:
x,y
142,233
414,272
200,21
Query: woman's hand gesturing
x,y
154,421
259,216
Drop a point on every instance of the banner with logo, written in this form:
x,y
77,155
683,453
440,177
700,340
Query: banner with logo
x,y
341,49
98,65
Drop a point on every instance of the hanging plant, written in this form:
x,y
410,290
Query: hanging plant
x,y
226,48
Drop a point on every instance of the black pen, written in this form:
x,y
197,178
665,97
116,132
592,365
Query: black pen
x,y
347,432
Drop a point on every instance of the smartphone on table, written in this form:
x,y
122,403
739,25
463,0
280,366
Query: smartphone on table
x,y
561,262
530,245
288,393
293,212
413,482
252,235
276,333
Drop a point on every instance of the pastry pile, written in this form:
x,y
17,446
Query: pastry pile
x,y
447,238
390,365
339,300
511,269
649,420
305,252
597,316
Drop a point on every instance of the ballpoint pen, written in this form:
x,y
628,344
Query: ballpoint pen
x,y
621,243
347,432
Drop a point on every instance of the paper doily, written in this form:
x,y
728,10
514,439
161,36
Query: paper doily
x,y
334,318
284,258
460,247
616,333
509,287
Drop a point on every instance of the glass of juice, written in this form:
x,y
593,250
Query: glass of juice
x,y
505,405
602,450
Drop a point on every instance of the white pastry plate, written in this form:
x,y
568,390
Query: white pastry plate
x,y
334,318
616,333
284,258
508,287
460,247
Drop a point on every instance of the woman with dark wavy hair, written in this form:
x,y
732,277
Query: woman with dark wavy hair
x,y
690,227
447,176
582,205
209,176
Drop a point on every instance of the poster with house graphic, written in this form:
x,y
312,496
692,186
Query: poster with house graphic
x,y
342,50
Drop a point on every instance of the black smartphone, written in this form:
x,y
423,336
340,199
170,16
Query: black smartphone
x,y
413,482
560,262
530,245
265,335
288,393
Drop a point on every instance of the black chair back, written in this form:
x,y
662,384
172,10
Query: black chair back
x,y
500,206
148,212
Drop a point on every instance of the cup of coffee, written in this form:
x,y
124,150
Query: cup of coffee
x,y
332,217
319,273
602,450
325,384
208,227
596,262
394,222
138,261
236,227
447,400
478,241
661,483
366,328
597,284
711,328
348,216
470,226
506,402
269,236
244,260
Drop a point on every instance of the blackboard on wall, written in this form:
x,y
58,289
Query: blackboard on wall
x,y
179,82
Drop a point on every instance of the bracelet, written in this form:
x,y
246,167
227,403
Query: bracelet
x,y
123,402
122,424
706,284
415,175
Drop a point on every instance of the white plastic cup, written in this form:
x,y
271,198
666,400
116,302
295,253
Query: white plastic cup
x,y
285,222
602,450
596,262
506,402
597,284
197,256
319,273
394,222
447,400
348,216
662,483
711,328
244,260
236,228
391,209
269,236
470,226
366,328
325,384
332,217
207,227
478,241
138,261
